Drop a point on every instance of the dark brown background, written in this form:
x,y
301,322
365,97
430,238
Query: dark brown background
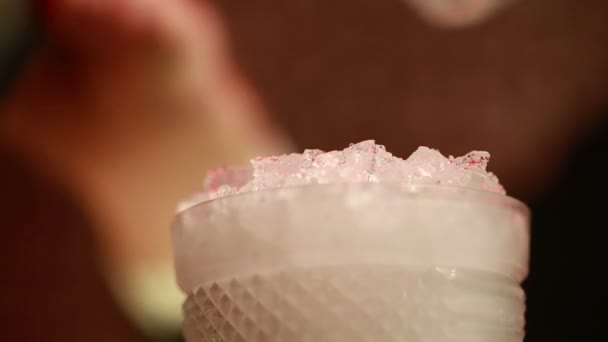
x,y
524,85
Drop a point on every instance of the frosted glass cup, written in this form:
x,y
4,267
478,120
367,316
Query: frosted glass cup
x,y
354,262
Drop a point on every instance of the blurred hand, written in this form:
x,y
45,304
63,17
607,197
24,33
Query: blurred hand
x,y
121,75
128,104
452,13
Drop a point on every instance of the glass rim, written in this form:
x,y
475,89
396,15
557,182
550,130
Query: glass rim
x,y
473,194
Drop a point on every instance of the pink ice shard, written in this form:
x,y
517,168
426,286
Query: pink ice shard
x,y
362,162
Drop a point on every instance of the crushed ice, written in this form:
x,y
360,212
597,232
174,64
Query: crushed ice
x,y
362,162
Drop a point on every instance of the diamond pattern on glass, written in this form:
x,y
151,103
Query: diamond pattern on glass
x,y
358,304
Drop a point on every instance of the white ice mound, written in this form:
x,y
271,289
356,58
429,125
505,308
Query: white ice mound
x,y
362,162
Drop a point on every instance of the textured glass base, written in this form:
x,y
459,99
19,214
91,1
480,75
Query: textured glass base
x,y
358,303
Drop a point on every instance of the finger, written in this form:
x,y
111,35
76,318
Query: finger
x,y
102,29
156,35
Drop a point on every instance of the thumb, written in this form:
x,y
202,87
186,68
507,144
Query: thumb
x,y
108,28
